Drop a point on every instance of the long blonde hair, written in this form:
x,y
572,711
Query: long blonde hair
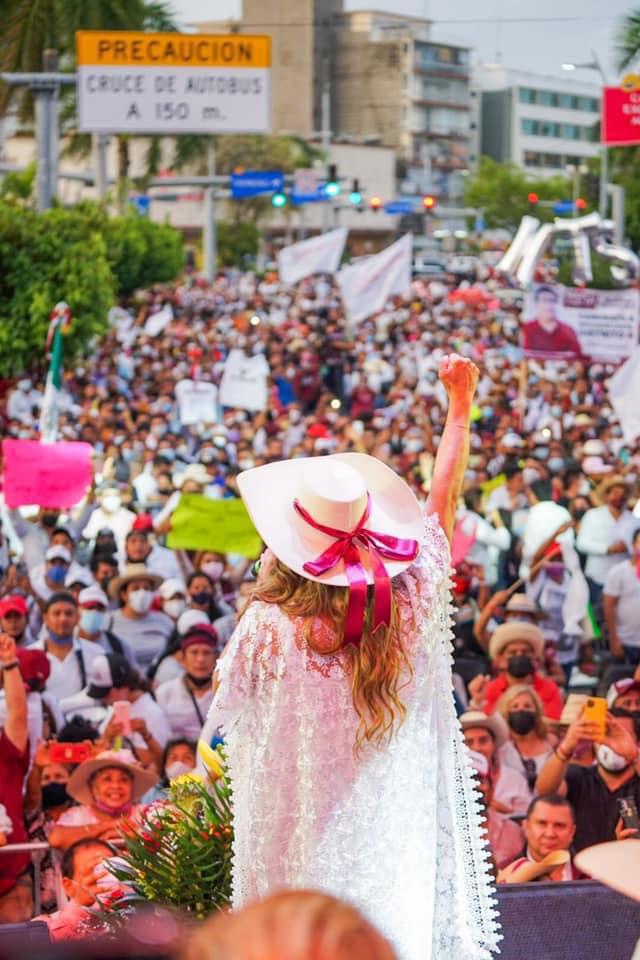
x,y
376,664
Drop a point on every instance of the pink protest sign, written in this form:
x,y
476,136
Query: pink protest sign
x,y
49,475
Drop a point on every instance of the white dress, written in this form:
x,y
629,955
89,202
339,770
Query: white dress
x,y
393,830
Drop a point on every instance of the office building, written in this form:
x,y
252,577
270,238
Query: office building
x,y
543,124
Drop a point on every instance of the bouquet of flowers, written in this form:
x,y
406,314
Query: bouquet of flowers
x,y
178,853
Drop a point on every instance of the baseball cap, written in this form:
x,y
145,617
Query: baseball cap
x,y
171,587
106,671
92,595
619,687
191,618
13,604
34,667
58,553
143,523
200,633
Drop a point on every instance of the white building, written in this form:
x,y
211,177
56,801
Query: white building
x,y
543,124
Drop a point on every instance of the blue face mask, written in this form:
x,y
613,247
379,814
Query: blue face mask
x,y
93,621
487,411
58,638
57,574
556,464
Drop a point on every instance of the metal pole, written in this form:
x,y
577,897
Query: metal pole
x,y
50,65
101,145
43,148
326,133
604,180
209,227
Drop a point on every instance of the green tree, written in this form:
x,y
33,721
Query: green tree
x,y
501,191
628,40
236,242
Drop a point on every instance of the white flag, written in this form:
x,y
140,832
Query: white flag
x,y
244,381
624,389
319,254
367,286
198,402
158,321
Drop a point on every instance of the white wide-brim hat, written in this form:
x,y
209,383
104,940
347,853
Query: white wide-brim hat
x,y
333,490
616,864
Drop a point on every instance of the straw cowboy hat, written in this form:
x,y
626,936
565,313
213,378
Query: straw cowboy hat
x,y
494,724
79,787
616,864
133,571
345,519
520,603
524,871
513,631
616,480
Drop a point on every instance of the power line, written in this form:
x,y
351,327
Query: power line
x,y
438,20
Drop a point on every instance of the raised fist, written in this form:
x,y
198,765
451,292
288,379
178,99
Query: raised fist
x,y
7,649
459,377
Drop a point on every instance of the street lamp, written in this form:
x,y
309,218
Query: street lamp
x,y
595,64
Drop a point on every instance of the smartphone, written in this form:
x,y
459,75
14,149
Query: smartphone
x,y
122,715
629,813
69,752
595,711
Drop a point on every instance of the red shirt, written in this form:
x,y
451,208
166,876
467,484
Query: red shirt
x,y
546,689
562,342
14,765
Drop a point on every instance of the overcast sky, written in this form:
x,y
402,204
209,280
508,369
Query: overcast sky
x,y
537,35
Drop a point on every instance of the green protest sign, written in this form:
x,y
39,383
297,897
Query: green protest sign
x,y
224,526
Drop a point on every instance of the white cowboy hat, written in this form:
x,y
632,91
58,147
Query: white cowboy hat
x,y
333,491
80,789
616,864
494,724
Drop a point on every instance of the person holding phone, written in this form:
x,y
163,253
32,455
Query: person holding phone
x,y
595,791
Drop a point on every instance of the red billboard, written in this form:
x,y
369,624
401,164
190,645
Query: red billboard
x,y
620,116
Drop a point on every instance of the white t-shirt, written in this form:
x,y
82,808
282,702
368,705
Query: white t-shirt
x,y
145,708
147,635
598,531
622,582
512,790
181,707
65,678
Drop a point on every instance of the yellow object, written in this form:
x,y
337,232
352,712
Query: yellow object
x,y
595,711
223,526
211,760
126,48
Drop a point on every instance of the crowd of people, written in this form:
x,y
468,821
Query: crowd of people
x,y
109,639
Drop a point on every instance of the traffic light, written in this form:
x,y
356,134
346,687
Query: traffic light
x,y
533,199
375,203
355,197
332,186
580,203
429,203
279,200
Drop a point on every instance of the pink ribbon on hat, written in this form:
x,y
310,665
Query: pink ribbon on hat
x,y
347,549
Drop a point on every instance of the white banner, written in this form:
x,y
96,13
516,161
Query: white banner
x,y
244,381
565,323
197,402
158,321
317,255
624,390
367,286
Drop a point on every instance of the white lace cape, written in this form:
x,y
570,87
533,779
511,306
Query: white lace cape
x,y
396,830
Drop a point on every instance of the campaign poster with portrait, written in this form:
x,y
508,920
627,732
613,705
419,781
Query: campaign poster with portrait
x,y
568,323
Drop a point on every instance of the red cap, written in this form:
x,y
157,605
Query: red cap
x,y
143,523
318,431
14,603
200,633
34,667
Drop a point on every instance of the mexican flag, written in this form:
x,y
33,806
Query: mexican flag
x,y
60,323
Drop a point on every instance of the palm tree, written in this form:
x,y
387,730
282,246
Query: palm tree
x,y
628,40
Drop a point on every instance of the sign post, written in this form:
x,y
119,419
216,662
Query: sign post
x,y
172,83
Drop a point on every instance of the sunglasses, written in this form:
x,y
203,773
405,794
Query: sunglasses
x,y
255,569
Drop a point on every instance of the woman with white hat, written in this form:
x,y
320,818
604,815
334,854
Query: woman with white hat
x,y
334,696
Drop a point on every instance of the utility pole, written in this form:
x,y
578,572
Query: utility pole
x,y
209,252
45,88
101,144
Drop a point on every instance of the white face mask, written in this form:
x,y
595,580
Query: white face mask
x,y
173,608
111,502
609,759
140,600
176,769
213,569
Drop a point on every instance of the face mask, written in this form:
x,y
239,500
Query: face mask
x,y
609,759
24,385
111,503
59,639
92,621
521,721
199,681
54,795
104,584
207,456
578,514
213,569
173,608
520,666
556,464
140,600
169,455
246,464
541,453
176,769
158,429
49,520
57,574
202,598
